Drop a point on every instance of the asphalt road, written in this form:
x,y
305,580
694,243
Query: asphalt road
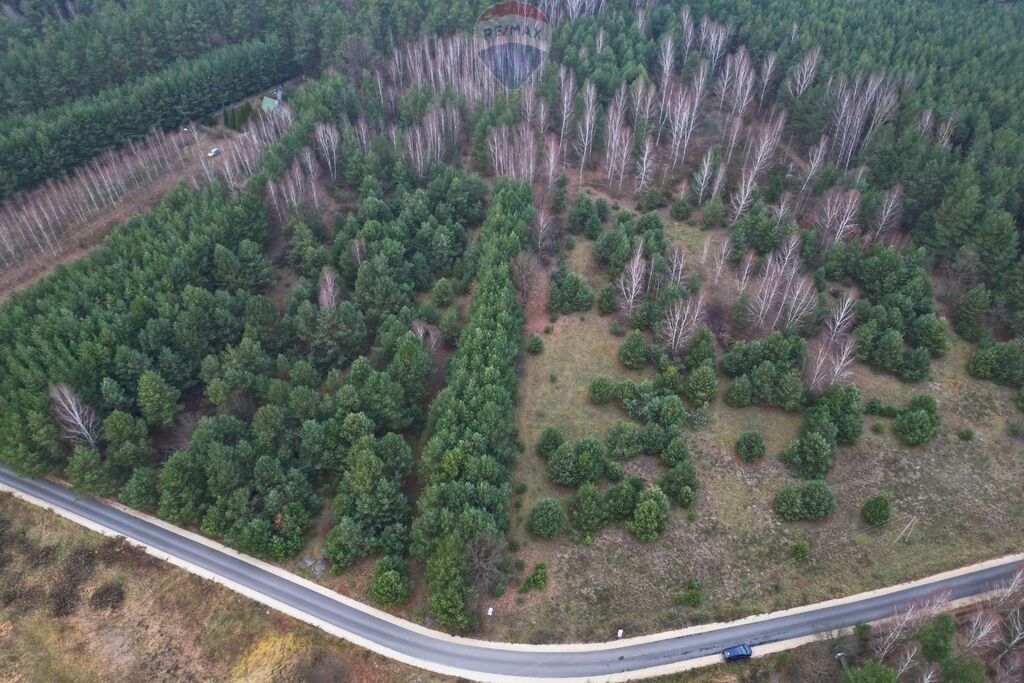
x,y
482,660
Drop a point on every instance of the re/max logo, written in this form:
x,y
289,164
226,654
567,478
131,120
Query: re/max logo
x,y
513,31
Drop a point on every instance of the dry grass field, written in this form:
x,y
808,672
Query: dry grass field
x,y
954,501
61,620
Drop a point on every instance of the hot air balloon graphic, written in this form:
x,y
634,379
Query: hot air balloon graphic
x,y
512,41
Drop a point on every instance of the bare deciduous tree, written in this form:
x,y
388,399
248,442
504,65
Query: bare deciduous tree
x,y
706,249
77,421
567,98
588,124
666,62
745,272
837,215
328,298
683,119
309,165
675,261
815,162
632,283
888,214
743,197
552,160
645,165
703,176
721,256
803,74
906,660
327,138
891,632
681,321
514,150
766,77
979,633
541,230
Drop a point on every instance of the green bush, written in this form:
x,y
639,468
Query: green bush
x,y
750,446
878,428
576,464
680,483
617,329
601,390
550,439
810,456
965,435
714,213
391,585
538,578
875,511
583,216
620,502
650,517
623,441
634,353
963,670
569,293
547,519
701,386
614,471
809,500
969,317
692,597
587,509
800,551
871,672
653,438
936,637
676,452
443,293
141,491
916,426
681,209
536,344
877,407
607,300
740,392
652,200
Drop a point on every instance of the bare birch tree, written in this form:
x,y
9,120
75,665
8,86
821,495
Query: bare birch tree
x,y
632,282
327,138
77,421
328,296
587,126
888,214
803,74
681,321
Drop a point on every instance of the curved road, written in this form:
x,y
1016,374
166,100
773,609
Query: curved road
x,y
482,660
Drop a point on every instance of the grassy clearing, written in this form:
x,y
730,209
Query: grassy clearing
x,y
171,626
945,496
554,384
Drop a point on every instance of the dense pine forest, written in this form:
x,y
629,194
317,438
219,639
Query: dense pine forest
x,y
334,317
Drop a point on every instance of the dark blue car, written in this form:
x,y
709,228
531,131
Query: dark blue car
x,y
736,653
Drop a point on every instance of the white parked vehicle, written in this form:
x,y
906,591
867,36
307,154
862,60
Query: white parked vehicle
x,y
214,152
